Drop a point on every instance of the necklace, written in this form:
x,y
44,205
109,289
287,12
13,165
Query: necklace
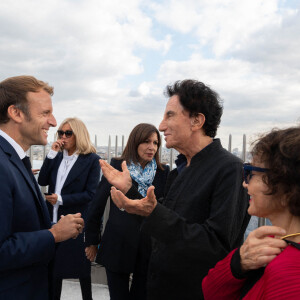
x,y
289,235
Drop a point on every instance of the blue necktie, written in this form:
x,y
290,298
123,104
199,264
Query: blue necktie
x,y
43,218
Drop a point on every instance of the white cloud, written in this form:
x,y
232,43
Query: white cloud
x,y
83,49
255,63
246,50
223,25
252,98
79,41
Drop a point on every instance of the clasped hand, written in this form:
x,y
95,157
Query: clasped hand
x,y
69,226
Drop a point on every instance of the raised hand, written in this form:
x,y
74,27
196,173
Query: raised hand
x,y
142,207
57,145
260,247
69,226
121,180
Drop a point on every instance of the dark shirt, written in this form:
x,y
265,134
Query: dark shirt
x,y
180,162
202,218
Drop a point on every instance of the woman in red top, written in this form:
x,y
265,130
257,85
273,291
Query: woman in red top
x,y
267,265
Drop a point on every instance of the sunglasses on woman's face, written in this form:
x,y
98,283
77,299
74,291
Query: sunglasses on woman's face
x,y
248,171
67,133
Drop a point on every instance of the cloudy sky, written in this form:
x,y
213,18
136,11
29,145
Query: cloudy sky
x,y
110,60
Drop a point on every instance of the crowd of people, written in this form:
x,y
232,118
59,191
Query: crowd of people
x,y
169,234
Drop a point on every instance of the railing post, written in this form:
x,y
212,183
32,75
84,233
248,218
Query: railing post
x,y
230,143
107,206
244,148
122,143
31,154
44,189
160,149
116,147
171,159
261,222
44,152
108,149
96,142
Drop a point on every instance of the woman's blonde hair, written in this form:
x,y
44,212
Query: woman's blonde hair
x,y
83,141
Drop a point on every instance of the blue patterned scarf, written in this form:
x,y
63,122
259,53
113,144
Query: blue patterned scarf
x,y
143,177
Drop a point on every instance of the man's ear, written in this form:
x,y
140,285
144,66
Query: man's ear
x,y
198,121
15,114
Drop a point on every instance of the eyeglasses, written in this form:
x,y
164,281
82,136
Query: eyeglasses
x,y
248,171
67,133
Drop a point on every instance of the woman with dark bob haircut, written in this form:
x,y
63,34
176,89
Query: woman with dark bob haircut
x,y
123,248
267,265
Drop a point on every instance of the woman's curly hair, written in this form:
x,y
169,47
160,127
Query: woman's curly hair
x,y
279,150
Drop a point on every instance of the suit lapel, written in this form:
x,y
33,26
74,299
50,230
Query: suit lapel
x,y
38,198
42,205
76,170
56,167
15,159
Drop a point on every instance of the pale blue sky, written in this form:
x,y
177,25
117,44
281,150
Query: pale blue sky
x,y
109,61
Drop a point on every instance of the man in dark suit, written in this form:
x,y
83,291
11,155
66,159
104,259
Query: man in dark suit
x,y
204,214
27,240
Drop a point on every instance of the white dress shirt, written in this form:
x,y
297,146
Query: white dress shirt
x,y
64,168
14,144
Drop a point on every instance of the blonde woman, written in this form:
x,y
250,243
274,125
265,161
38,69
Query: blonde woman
x,y
72,171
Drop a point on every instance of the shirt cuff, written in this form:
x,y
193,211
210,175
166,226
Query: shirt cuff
x,y
235,265
236,268
51,154
59,200
133,193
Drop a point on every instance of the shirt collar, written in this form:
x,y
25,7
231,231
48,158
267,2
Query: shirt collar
x,y
14,144
69,157
180,162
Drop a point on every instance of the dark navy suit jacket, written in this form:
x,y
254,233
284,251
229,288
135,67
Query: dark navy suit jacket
x,y
80,185
26,246
77,193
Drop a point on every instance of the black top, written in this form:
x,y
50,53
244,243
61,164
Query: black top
x,y
202,218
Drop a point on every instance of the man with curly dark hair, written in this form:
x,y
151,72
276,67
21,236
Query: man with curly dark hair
x,y
204,213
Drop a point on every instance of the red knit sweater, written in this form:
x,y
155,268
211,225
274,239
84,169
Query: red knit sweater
x,y
281,279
